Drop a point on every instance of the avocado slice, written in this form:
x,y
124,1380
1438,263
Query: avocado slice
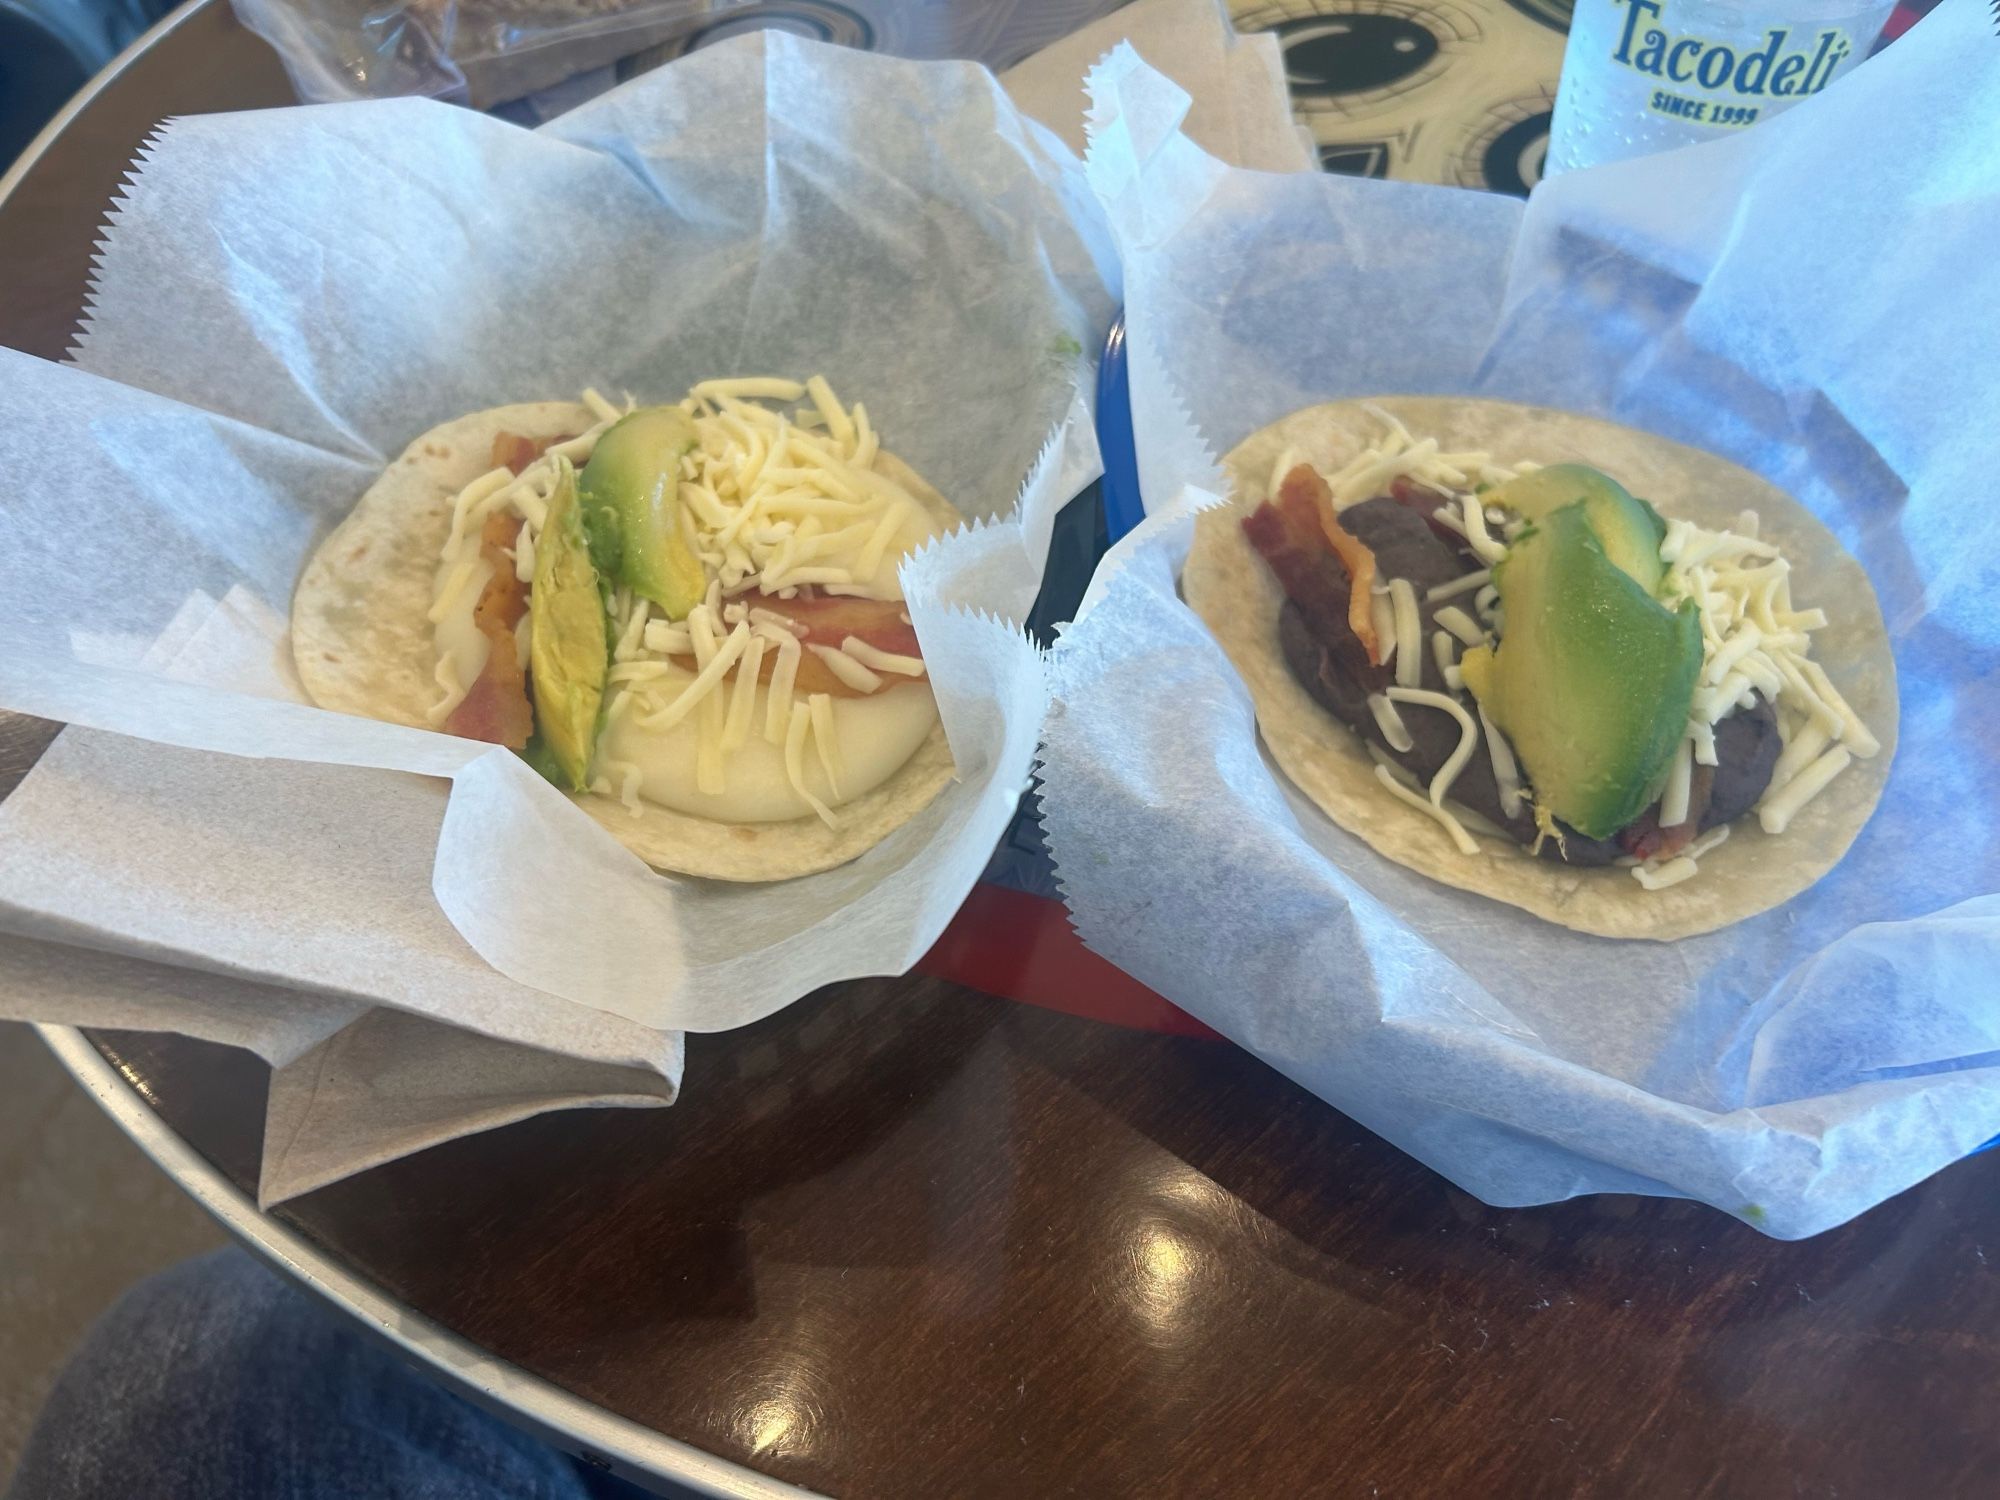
x,y
1630,529
631,496
1593,678
569,642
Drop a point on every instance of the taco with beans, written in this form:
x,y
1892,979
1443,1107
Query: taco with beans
x,y
1609,679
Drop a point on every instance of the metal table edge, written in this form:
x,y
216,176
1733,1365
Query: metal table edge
x,y
82,99
556,1416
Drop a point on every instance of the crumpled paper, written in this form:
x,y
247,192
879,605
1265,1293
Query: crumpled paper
x,y
283,301
1803,299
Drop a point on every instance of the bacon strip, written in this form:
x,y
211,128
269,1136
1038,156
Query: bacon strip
x,y
495,707
827,620
1644,838
830,619
514,452
1294,534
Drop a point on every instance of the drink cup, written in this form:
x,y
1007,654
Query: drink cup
x,y
1647,75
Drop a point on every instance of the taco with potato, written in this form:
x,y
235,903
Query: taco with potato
x,y
688,616
1612,680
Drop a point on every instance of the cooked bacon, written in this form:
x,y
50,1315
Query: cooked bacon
x,y
1307,571
1644,838
495,707
505,598
828,620
513,452
1322,566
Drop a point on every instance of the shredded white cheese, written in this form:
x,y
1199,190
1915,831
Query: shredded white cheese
x,y
1468,736
471,499
1390,722
1444,651
774,500
1383,613
1460,624
1657,875
784,676
1777,809
1506,771
719,659
876,659
1397,455
820,707
1445,820
1289,459
450,689
1702,734
456,582
1458,586
847,669
1680,779
765,389
1755,642
1474,517
743,695
1801,750
1409,633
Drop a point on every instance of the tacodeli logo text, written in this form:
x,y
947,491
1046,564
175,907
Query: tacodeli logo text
x,y
1787,64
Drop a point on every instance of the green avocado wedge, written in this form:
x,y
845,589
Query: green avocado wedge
x,y
569,641
1630,529
631,497
1593,679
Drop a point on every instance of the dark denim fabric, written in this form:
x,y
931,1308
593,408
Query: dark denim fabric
x,y
217,1380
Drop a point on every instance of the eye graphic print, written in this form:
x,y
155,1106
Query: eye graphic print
x,y
1350,58
1354,53
1355,158
1505,147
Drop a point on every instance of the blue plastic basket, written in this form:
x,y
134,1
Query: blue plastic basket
x,y
1123,509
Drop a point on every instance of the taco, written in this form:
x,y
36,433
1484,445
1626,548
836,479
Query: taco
x,y
1615,681
687,616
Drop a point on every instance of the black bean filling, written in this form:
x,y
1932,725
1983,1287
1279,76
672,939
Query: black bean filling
x,y
1407,546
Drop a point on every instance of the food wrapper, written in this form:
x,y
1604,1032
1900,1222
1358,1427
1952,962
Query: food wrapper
x,y
482,52
1802,299
282,302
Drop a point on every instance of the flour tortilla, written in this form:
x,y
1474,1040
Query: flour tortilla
x,y
363,646
1235,594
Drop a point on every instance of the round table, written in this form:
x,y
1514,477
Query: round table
x,y
908,1239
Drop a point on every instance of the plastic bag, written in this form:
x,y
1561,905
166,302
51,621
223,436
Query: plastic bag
x,y
477,52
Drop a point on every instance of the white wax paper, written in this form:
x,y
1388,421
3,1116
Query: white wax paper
x,y
1809,299
284,300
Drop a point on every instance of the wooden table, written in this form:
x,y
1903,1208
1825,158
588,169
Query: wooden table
x,y
906,1239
